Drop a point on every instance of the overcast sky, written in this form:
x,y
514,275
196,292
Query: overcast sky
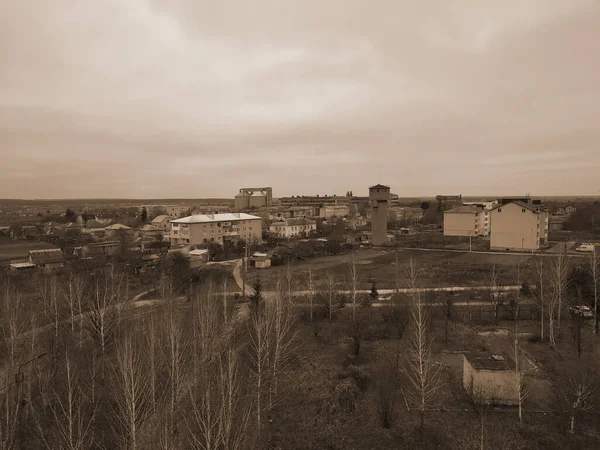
x,y
195,98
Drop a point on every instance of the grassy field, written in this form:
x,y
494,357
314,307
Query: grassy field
x,y
439,268
11,249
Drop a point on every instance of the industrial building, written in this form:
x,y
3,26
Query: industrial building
x,y
219,228
380,197
253,198
328,211
315,200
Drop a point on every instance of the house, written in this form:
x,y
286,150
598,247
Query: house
x,y
219,228
260,260
47,259
118,229
570,209
490,379
21,266
98,249
162,222
556,225
149,231
518,226
466,220
288,228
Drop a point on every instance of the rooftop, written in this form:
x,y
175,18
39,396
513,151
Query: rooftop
x,y
208,218
159,219
118,226
531,207
489,361
46,256
379,186
294,222
463,209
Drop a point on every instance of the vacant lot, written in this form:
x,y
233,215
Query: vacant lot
x,y
438,268
10,249
315,415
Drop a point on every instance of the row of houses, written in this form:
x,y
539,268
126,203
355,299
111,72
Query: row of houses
x,y
512,224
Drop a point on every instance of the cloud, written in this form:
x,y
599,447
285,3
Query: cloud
x,y
196,98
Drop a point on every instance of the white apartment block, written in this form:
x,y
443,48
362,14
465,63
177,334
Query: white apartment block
x,y
519,226
204,228
467,220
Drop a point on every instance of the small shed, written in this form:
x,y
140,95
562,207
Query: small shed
x,y
202,255
490,378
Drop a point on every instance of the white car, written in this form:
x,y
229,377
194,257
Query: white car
x,y
586,248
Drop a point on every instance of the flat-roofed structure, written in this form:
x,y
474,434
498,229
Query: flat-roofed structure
x,y
490,378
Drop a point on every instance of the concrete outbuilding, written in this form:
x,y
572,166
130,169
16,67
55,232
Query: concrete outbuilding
x,y
490,378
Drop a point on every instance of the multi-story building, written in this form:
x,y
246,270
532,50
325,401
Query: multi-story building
x,y
292,213
288,228
218,228
329,211
316,200
380,198
410,214
519,226
466,220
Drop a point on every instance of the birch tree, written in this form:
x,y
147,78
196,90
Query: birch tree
x,y
331,294
102,317
51,297
353,281
558,281
541,295
594,272
493,291
576,392
131,392
74,287
423,374
311,296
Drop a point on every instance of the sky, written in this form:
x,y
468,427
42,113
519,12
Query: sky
x,y
198,98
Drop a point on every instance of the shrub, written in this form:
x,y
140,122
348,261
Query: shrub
x,y
360,375
346,395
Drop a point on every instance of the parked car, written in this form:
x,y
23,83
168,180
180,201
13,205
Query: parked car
x,y
384,298
583,311
586,248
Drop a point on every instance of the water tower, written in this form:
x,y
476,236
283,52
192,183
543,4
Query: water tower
x,y
379,197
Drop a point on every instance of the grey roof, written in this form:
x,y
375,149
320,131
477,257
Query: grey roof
x,y
489,361
464,209
50,255
530,207
226,217
294,222
161,218
379,186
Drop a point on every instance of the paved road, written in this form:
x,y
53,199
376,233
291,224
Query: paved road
x,y
550,252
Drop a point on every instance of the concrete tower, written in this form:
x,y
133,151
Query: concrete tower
x,y
379,196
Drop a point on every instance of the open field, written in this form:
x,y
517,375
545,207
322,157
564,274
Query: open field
x,y
438,268
10,249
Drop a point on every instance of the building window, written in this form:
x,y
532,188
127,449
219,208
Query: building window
x,y
499,209
523,210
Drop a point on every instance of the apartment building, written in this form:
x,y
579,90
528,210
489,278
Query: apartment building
x,y
467,220
518,225
219,228
288,228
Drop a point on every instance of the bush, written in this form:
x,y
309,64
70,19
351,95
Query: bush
x,y
534,339
360,375
346,395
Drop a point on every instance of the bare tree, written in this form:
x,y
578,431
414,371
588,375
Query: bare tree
x,y
311,296
423,374
73,287
69,412
175,354
282,335
541,295
131,391
386,393
102,317
493,289
558,283
331,293
259,351
576,391
594,271
52,299
354,281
